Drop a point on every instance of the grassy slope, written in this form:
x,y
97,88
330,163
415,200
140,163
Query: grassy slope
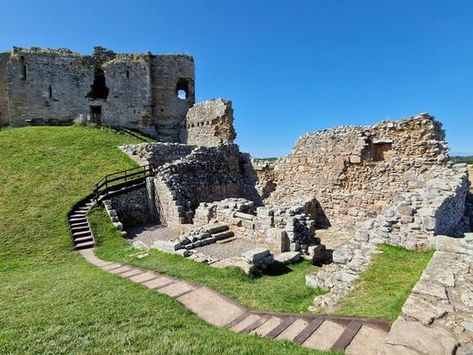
x,y
51,300
385,286
283,290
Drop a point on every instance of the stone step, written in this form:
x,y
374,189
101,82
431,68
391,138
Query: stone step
x,y
216,228
325,336
368,341
228,240
81,234
85,245
80,228
223,235
78,224
78,214
77,219
83,239
267,326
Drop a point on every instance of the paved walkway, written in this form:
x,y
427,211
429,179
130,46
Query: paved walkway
x,y
355,336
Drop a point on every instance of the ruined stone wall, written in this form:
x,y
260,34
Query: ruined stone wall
x,y
4,110
355,172
140,91
133,208
283,228
156,154
48,85
169,75
207,174
129,102
210,123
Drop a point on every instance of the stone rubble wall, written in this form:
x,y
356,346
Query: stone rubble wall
x,y
68,74
355,172
4,110
129,102
207,174
210,123
169,111
282,228
156,154
142,89
413,221
437,318
132,207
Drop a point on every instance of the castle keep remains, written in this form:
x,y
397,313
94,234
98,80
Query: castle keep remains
x,y
151,93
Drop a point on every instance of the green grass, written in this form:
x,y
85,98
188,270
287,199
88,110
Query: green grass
x,y
282,289
51,299
384,287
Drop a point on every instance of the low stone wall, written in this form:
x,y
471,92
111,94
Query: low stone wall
x,y
413,221
282,228
437,318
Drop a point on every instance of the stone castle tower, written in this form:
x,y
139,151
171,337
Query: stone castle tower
x,y
151,93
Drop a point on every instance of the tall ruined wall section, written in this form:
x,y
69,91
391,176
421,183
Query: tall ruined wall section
x,y
129,103
355,172
48,85
210,123
4,110
171,75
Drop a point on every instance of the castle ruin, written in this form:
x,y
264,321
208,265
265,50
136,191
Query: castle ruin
x,y
387,183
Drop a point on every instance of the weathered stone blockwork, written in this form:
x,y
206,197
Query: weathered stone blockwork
x,y
4,114
139,91
355,172
207,174
210,123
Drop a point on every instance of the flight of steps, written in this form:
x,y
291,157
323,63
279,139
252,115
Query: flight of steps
x,y
82,235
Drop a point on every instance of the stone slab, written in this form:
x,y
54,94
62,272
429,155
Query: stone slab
x,y
325,336
293,330
131,272
267,326
146,276
211,307
368,341
176,288
250,319
413,335
160,281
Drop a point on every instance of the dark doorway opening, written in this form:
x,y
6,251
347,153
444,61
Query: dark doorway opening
x,y
98,89
96,114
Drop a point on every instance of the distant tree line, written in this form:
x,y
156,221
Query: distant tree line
x,y
463,159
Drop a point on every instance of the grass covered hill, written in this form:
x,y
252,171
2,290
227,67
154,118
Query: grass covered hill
x,y
53,301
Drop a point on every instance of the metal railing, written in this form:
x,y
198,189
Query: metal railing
x,y
121,180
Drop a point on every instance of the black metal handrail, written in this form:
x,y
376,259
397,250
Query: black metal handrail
x,y
122,179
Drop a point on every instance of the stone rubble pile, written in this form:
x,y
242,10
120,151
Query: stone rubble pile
x,y
196,237
286,228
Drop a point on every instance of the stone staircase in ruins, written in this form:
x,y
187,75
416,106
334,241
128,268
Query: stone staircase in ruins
x,y
321,332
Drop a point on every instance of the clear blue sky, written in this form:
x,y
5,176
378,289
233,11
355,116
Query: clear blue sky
x,y
288,66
